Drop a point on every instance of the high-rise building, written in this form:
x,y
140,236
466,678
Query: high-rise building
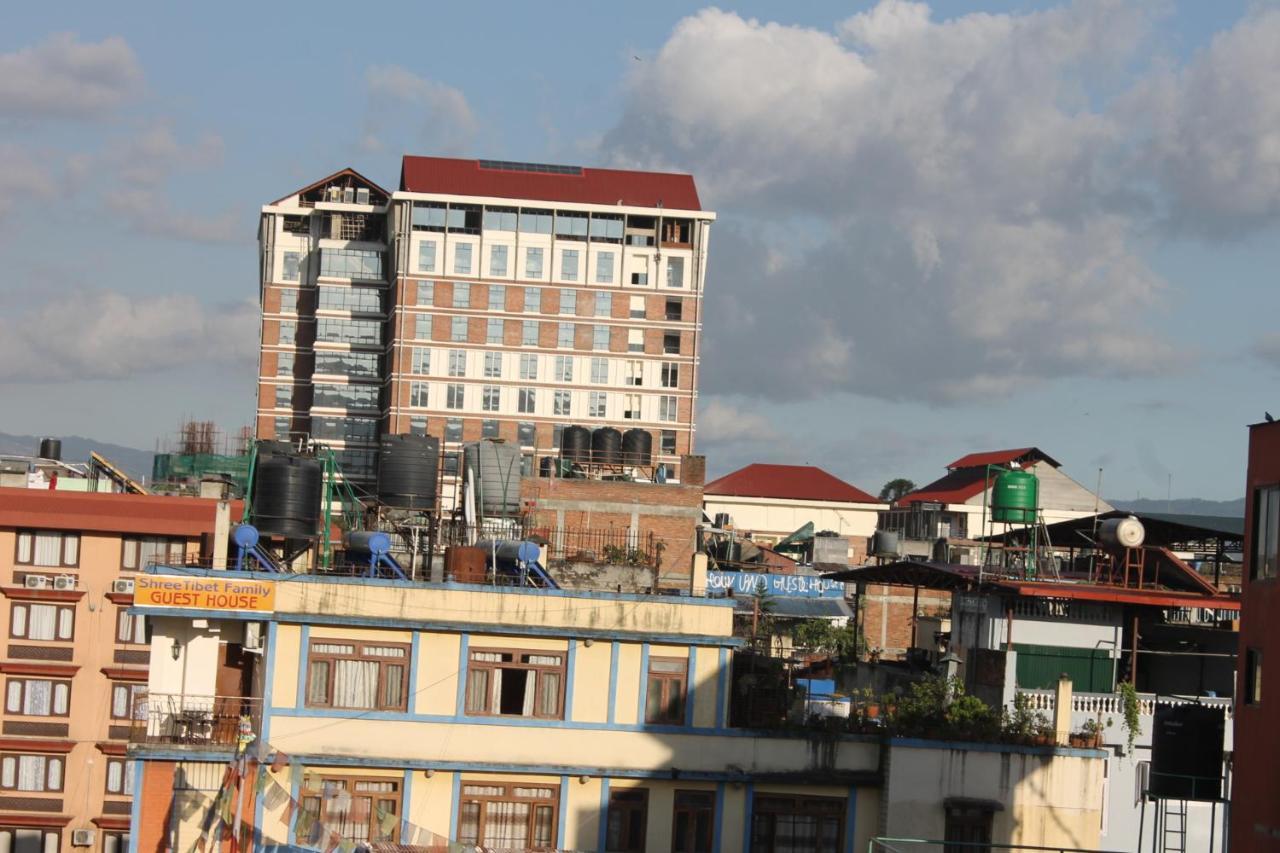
x,y
482,299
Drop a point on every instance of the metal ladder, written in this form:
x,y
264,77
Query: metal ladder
x,y
1173,826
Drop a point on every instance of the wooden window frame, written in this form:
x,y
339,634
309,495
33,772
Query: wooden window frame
x,y
125,782
975,823
123,617
48,762
509,795
312,799
65,537
694,803
26,620
632,804
488,711
135,542
767,808
383,663
133,690
665,681
22,696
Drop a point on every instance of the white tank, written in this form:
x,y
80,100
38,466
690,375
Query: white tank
x,y
1125,532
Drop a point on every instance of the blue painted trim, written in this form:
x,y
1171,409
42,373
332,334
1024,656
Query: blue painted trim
x,y
464,644
304,652
264,737
717,833
135,810
603,835
406,801
691,686
563,818
746,816
644,682
456,805
614,648
921,743
851,819
722,688
216,756
570,667
415,653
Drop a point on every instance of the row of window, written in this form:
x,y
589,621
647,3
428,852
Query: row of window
x,y
533,367
471,219
57,549
419,327
534,266
48,697
458,396
45,773
534,300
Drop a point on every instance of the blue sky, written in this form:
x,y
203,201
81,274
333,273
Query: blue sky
x,y
941,230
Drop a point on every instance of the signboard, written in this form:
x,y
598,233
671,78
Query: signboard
x,y
204,593
786,586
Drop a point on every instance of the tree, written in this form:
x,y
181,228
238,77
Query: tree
x,y
896,489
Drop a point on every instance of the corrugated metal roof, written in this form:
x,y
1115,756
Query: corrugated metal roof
x,y
801,608
1003,457
956,487
450,176
159,515
797,482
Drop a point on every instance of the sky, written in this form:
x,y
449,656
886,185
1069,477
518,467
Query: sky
x,y
941,228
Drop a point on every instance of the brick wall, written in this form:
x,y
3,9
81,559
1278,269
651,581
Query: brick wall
x,y
886,616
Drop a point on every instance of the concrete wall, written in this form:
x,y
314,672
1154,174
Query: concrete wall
x,y
767,520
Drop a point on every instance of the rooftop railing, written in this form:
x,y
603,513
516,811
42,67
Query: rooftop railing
x,y
193,722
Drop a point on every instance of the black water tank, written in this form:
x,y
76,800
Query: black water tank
x,y
287,496
606,446
50,448
575,444
408,468
637,447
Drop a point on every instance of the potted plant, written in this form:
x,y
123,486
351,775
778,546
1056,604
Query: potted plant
x,y
1091,732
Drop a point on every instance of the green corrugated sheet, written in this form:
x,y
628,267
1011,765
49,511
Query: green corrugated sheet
x,y
168,467
1040,666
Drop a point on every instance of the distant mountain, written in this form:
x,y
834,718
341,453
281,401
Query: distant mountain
x,y
1184,506
75,448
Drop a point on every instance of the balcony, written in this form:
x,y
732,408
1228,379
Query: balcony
x,y
192,722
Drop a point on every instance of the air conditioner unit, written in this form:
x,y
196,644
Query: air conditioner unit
x,y
253,636
36,582
64,582
123,586
362,195
83,837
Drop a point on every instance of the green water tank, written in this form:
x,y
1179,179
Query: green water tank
x,y
1015,497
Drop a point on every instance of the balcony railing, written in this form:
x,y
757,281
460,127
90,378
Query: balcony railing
x,y
1095,704
193,722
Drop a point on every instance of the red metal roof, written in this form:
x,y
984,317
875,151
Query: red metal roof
x,y
1002,457
956,487
450,176
798,482
158,515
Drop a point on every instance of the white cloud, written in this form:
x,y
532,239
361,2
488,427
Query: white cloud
x,y
406,112
63,77
108,335
1266,348
24,177
722,422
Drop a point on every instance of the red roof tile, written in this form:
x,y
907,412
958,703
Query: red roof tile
x,y
157,515
1002,457
449,176
956,487
798,482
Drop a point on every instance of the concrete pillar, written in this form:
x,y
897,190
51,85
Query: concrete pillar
x,y
221,534
698,579
1062,711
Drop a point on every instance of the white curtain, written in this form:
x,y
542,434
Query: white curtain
x,y
355,684
19,621
61,698
66,623
120,701
37,701
42,622
530,685
477,681
549,701
31,769
13,701
48,549
506,825
495,706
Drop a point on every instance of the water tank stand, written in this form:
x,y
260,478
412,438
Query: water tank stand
x,y
259,556
388,562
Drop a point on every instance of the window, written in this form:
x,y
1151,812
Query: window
x,y
507,816
526,434
47,548
493,332
420,359
490,428
491,400
42,622
128,701
129,628
31,773
38,697
604,305
344,429
35,840
289,301
364,264
534,221
604,268
671,343
515,684
360,810
568,302
692,819
461,294
641,275
1253,676
458,329
606,226
499,219
344,674
635,373
292,263
453,428
782,824
356,463
600,337
426,293
358,364
564,368
637,310
675,309
568,268
667,408
529,333
571,226
284,396
497,297
367,300
493,365
668,441
346,396
527,401
452,461
454,398
457,363
625,824
1266,532
966,825
675,272
533,263
282,426
120,777
560,403
335,331
462,259
419,394
426,255
532,300
498,260
597,405
635,340
670,374
418,425
417,327
138,552
564,335
664,699
600,370
288,331
631,407
528,366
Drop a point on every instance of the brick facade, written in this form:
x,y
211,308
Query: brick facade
x,y
886,616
